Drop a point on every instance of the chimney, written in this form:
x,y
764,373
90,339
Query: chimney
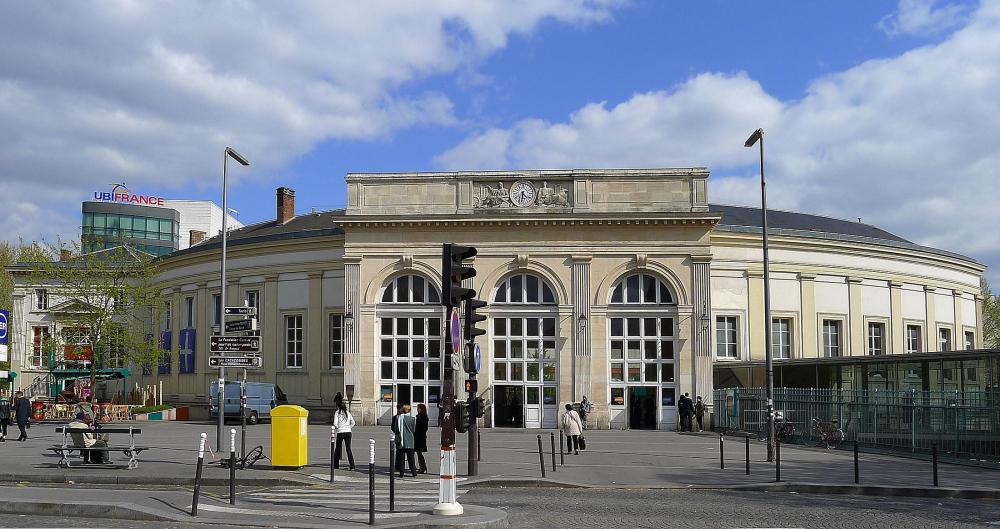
x,y
196,237
286,205
65,255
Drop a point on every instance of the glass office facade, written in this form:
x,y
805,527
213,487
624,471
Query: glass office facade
x,y
153,230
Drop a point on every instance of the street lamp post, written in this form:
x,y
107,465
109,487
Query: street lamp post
x,y
758,138
229,153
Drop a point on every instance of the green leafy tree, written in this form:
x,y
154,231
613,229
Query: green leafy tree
x,y
991,317
111,301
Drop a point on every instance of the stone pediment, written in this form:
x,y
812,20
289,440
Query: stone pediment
x,y
72,306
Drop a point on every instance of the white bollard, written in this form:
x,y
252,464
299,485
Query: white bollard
x,y
447,495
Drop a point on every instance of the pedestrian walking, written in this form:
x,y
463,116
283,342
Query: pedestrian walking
x,y
407,430
420,437
5,413
572,428
343,421
22,413
398,463
699,413
686,409
585,408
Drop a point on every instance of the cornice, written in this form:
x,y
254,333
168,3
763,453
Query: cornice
x,y
627,219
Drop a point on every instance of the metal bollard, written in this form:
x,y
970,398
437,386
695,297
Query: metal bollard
x,y
197,475
562,451
857,469
777,460
748,454
552,438
934,462
541,455
232,466
722,452
479,444
371,482
333,450
392,472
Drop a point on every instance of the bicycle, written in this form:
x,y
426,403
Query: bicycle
x,y
831,435
248,460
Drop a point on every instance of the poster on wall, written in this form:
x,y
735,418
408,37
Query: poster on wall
x,y
187,357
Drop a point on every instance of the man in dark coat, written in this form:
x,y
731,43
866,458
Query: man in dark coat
x,y
22,412
686,409
5,413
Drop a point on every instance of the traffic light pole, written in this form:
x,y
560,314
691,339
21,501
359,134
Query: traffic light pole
x,y
473,411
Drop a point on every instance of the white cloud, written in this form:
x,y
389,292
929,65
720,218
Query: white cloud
x,y
922,17
908,143
93,92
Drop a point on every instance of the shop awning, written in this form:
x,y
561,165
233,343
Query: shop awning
x,y
102,374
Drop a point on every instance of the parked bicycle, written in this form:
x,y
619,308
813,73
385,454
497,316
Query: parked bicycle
x,y
830,434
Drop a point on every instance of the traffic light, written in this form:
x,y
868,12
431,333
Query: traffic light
x,y
461,417
480,407
471,331
453,271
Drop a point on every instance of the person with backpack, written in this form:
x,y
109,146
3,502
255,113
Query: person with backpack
x,y
699,412
572,428
343,421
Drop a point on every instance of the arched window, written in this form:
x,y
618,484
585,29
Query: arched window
x,y
524,289
410,345
525,353
642,320
641,289
410,289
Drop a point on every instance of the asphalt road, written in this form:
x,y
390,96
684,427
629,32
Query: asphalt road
x,y
611,508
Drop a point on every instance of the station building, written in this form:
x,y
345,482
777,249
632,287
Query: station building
x,y
626,286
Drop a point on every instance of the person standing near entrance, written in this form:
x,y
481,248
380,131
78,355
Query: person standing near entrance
x,y
407,430
399,440
572,428
420,437
343,421
22,412
585,409
699,412
4,416
686,408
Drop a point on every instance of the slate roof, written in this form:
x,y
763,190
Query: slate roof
x,y
317,224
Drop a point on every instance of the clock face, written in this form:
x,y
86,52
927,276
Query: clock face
x,y
522,194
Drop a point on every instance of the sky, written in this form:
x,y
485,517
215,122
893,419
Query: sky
x,y
888,111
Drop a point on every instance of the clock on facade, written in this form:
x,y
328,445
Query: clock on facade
x,y
522,194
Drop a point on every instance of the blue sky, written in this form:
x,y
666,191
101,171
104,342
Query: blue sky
x,y
877,109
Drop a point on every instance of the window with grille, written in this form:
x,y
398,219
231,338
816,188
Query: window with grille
x,y
294,357
641,289
41,299
38,337
944,339
726,333
781,337
336,340
642,350
410,289
524,289
524,350
970,340
410,357
831,338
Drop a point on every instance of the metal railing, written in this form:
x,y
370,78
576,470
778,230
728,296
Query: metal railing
x,y
964,425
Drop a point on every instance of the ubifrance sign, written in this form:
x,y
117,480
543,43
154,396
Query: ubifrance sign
x,y
120,194
234,361
234,344
4,324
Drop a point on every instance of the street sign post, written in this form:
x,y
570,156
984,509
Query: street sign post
x,y
234,361
234,344
241,311
247,325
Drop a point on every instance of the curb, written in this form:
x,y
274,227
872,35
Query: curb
x,y
123,511
143,480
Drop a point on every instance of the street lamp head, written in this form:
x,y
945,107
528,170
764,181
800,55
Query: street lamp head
x,y
236,156
754,138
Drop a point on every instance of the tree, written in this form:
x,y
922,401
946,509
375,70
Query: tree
x,y
109,304
991,317
11,253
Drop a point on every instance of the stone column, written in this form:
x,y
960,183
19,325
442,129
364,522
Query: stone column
x,y
581,337
755,314
930,328
314,337
856,317
896,327
810,327
272,329
979,321
959,338
352,342
701,367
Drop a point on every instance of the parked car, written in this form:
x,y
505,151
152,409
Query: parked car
x,y
261,397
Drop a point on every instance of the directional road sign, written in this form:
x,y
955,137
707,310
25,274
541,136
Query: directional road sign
x,y
4,318
234,344
246,325
234,361
241,311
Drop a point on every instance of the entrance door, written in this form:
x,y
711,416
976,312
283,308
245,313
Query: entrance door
x,y
508,406
642,408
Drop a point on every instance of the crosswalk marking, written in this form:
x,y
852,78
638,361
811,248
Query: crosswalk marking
x,y
405,497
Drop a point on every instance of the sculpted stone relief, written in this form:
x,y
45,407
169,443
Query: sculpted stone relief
x,y
521,194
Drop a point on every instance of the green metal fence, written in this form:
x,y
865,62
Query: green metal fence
x,y
964,425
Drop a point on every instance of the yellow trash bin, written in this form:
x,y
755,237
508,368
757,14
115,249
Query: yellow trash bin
x,y
289,436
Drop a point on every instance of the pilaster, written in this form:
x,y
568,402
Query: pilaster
x,y
959,339
314,336
810,328
271,328
755,313
856,317
702,329
896,326
581,325
352,343
930,327
979,321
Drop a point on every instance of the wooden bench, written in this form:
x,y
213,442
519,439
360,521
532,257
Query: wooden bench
x,y
67,447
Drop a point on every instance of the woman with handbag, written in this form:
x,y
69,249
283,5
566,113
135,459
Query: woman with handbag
x,y
572,428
